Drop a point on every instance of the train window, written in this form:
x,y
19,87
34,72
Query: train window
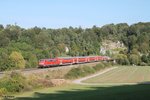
x,y
67,58
51,60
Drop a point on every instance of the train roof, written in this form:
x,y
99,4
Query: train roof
x,y
71,57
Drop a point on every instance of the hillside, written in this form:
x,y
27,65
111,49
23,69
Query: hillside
x,y
22,48
111,47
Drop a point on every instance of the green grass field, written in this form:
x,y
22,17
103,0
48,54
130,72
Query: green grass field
x,y
136,74
78,92
100,92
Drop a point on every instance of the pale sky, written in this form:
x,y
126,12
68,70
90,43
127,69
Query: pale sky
x,y
65,13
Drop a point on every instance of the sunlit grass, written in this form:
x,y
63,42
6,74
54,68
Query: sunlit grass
x,y
125,74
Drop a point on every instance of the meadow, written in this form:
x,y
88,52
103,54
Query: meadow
x,y
81,92
103,91
122,75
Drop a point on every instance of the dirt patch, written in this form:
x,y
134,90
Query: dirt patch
x,y
53,82
59,82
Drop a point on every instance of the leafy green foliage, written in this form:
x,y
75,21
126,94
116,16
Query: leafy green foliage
x,y
14,82
75,73
144,58
122,59
41,43
16,60
134,59
99,66
84,71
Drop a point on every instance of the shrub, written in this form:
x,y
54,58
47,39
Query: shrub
x,y
122,59
134,59
143,64
14,82
74,73
79,72
3,91
88,70
33,81
144,58
99,66
107,64
85,70
16,60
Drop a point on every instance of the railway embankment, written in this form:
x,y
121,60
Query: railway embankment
x,y
20,81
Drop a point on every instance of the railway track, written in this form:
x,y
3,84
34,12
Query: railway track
x,y
38,70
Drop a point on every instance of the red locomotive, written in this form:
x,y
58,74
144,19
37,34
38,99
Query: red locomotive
x,y
70,60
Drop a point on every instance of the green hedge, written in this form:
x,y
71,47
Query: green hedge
x,y
99,66
85,70
79,72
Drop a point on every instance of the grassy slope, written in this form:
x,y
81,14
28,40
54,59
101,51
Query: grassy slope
x,y
78,92
123,75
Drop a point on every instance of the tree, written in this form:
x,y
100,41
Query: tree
x,y
144,48
131,42
148,57
4,39
144,58
16,60
13,32
33,61
1,27
39,43
55,52
4,65
61,48
74,49
41,40
122,59
134,59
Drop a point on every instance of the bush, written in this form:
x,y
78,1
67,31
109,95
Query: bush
x,y
134,59
85,70
143,64
107,64
14,82
88,70
99,66
79,72
122,59
16,60
144,59
34,81
3,91
74,73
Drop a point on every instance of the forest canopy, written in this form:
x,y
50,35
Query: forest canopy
x,y
38,43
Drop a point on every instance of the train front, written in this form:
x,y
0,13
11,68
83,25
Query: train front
x,y
41,63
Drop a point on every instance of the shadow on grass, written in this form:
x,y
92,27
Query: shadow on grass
x,y
126,92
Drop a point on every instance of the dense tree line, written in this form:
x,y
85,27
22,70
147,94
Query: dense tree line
x,y
26,46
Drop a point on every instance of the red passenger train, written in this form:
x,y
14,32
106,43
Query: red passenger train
x,y
70,60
